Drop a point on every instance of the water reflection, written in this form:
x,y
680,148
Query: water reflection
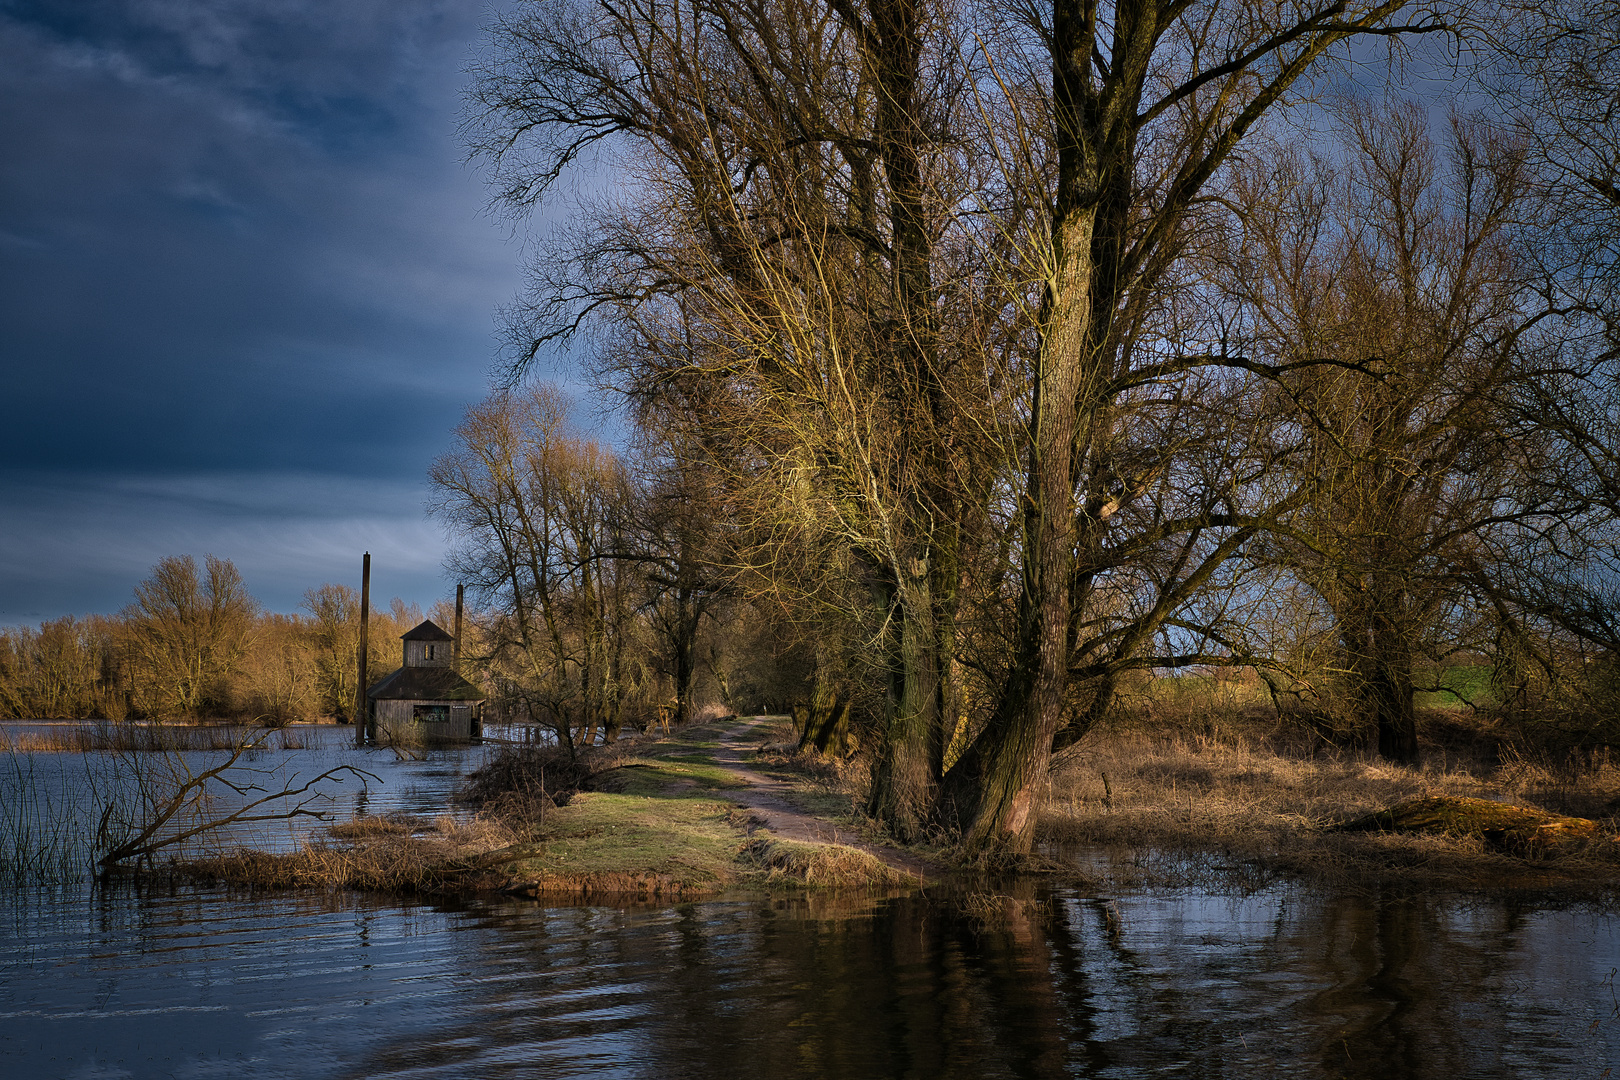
x,y
1285,983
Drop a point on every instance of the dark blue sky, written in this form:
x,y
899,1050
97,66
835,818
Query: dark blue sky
x,y
246,290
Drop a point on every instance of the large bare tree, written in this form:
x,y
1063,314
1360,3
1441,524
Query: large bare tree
x,y
928,266
1401,258
532,505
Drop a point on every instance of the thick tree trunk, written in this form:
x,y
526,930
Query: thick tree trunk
x,y
1011,757
904,790
912,751
1004,770
1381,658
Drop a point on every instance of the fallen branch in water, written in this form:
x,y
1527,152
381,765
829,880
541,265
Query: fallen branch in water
x,y
184,794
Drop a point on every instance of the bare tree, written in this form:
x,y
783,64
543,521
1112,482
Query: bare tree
x,y
189,630
334,612
1147,104
674,542
1553,73
531,505
814,243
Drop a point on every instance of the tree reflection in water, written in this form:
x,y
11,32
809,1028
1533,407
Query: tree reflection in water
x,y
1055,984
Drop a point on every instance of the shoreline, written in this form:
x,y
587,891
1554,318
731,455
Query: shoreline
x,y
676,816
731,805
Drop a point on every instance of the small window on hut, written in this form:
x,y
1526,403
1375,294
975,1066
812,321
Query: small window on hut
x,y
430,714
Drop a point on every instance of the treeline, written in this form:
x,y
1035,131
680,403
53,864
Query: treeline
x,y
195,645
989,360
615,639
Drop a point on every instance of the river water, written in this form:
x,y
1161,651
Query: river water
x,y
1289,981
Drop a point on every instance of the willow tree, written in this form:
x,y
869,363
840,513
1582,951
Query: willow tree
x,y
1553,73
786,175
1403,258
926,284
1148,102
189,629
533,507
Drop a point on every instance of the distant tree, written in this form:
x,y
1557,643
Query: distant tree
x,y
533,507
672,540
334,612
1398,260
276,682
189,629
67,668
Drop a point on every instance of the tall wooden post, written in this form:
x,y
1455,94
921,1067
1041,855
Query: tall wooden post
x,y
362,716
455,650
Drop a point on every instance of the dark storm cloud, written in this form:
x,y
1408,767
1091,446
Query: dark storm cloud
x,y
237,250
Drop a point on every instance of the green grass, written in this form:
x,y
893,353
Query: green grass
x,y
1471,683
668,777
600,835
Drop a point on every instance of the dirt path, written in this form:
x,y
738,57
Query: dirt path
x,y
767,798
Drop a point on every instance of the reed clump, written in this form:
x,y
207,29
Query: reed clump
x,y
103,736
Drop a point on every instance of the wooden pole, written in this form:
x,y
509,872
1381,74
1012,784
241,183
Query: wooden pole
x,y
455,650
362,718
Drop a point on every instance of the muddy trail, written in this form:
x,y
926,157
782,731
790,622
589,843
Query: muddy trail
x,y
769,803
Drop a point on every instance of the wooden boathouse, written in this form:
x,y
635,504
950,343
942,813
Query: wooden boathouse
x,y
426,699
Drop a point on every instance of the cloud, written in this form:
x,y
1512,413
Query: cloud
x,y
78,544
167,215
240,256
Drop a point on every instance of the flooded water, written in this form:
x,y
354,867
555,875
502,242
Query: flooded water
x,y
42,788
1286,982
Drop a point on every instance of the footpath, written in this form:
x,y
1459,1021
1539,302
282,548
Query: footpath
x,y
768,801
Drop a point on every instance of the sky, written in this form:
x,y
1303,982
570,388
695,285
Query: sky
x,y
247,289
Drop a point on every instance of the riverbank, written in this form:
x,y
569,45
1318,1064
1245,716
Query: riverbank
x,y
699,811
1248,801
732,805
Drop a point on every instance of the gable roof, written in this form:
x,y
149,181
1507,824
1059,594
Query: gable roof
x,y
427,631
424,684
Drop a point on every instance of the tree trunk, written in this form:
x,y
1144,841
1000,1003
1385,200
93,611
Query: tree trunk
x,y
1017,745
1381,659
904,791
911,755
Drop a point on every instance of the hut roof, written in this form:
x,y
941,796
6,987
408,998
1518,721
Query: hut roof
x,y
424,684
428,630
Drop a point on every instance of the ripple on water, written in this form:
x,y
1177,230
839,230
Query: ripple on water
x,y
203,983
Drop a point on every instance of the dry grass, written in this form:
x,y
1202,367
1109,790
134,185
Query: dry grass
x,y
97,736
386,854
1251,798
822,866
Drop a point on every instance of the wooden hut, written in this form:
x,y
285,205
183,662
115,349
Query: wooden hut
x,y
426,699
